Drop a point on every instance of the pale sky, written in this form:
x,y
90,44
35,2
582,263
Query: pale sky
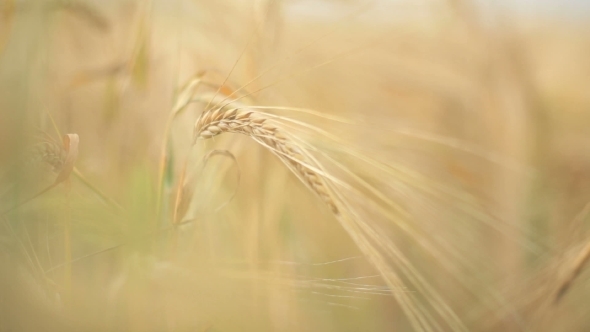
x,y
566,9
578,8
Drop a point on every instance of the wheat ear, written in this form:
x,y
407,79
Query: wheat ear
x,y
48,152
260,128
263,130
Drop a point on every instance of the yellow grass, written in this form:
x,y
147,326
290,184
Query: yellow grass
x,y
415,166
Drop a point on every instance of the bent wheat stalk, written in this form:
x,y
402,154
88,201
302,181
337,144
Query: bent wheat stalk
x,y
265,130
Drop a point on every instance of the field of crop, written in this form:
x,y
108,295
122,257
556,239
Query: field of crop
x,y
290,165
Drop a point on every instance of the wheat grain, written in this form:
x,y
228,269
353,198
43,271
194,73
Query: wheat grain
x,y
261,129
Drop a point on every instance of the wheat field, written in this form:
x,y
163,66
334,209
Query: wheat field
x,y
291,165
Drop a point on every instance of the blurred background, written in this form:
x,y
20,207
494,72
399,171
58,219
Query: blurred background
x,y
460,130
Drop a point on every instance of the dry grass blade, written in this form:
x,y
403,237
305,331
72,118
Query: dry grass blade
x,y
180,103
579,263
183,198
183,98
7,14
70,142
83,10
227,154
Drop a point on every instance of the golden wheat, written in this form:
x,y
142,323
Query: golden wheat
x,y
447,173
254,124
262,129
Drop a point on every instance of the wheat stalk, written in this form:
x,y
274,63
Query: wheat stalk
x,y
263,129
